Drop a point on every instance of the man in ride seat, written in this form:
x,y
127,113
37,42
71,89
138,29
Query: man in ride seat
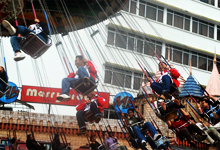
x,y
167,83
137,129
86,70
95,104
184,129
17,30
3,81
208,108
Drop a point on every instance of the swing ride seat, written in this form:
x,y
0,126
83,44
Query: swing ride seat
x,y
79,87
89,116
169,115
34,46
131,132
172,113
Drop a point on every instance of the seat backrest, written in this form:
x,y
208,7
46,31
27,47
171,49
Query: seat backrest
x,y
34,46
89,116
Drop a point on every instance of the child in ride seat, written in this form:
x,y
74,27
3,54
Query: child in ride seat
x,y
15,40
167,83
95,104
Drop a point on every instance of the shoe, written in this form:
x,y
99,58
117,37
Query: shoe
x,y
19,56
204,137
97,119
143,142
63,97
167,95
157,137
86,82
9,27
82,131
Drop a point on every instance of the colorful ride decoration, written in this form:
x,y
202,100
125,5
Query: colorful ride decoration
x,y
11,95
123,101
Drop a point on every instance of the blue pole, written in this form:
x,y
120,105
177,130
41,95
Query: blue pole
x,y
192,107
48,25
166,61
149,74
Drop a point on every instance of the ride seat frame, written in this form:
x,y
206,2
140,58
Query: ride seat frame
x,y
34,46
79,87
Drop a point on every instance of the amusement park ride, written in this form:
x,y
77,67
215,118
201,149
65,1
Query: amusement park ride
x,y
75,15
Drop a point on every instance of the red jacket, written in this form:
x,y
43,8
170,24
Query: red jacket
x,y
91,67
100,101
183,123
174,75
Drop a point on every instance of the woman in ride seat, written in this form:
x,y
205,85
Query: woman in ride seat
x,y
111,143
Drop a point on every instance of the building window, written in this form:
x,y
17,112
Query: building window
x,y
137,80
151,11
178,20
134,43
146,10
211,2
183,56
218,33
122,77
203,28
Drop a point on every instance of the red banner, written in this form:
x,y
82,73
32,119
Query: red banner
x,y
47,95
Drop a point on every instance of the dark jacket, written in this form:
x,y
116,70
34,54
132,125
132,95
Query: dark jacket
x,y
45,31
32,145
4,77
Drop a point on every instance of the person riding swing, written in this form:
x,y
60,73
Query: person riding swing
x,y
167,83
95,105
212,112
3,81
21,30
184,129
133,123
86,71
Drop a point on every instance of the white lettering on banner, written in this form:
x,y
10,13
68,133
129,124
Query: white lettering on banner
x,y
86,98
41,94
73,96
79,97
47,94
52,94
31,91
34,92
